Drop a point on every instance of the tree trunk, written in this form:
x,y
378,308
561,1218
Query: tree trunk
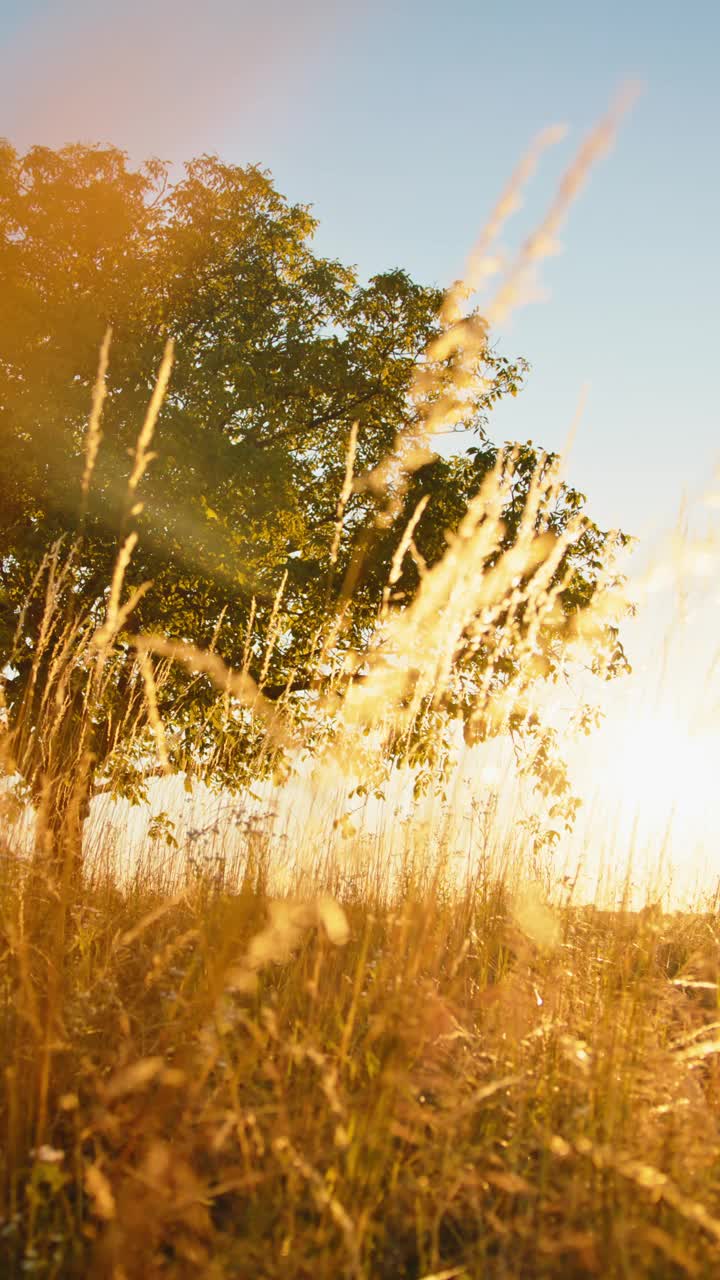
x,y
64,804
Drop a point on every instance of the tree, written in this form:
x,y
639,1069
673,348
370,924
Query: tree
x,y
278,352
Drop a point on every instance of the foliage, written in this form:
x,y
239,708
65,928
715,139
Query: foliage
x,y
279,351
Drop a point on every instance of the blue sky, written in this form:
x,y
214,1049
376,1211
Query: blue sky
x,y
400,122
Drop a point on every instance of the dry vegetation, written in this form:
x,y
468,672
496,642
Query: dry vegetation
x,y
383,1072
444,1082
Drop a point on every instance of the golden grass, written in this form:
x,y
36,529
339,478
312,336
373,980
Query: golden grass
x,y
385,1070
468,1083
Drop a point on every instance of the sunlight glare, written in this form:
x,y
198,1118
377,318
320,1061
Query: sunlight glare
x,y
658,768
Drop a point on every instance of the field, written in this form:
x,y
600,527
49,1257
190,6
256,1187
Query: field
x,y
430,1055
444,1083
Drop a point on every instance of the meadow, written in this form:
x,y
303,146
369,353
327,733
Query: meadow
x,y
422,1053
346,1048
431,1081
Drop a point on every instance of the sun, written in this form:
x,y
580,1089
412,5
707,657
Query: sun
x,y
656,770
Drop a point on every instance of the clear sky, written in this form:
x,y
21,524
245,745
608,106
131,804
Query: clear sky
x,y
400,121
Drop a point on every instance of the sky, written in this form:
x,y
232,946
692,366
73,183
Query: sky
x,y
400,122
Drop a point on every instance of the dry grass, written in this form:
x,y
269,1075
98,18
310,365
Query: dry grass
x,y
428,1084
382,1072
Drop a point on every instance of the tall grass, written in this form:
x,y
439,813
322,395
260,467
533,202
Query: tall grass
x,y
347,1052
369,1081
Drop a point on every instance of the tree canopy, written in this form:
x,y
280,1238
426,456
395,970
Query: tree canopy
x,y
278,352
